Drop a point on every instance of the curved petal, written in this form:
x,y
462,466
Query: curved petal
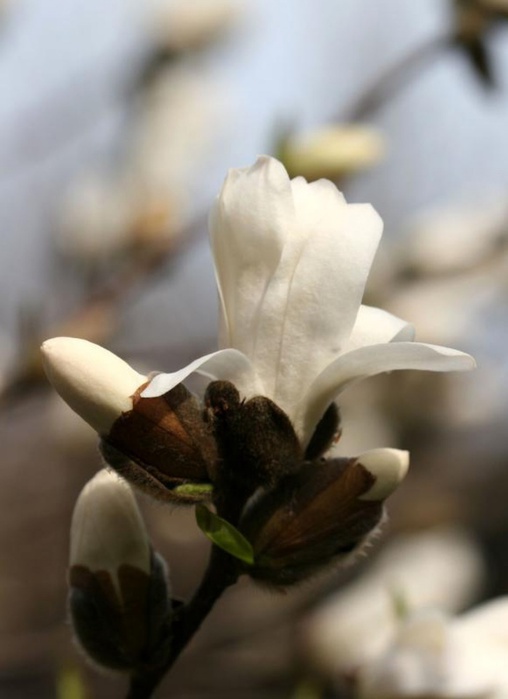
x,y
368,361
374,326
308,315
488,621
228,364
249,224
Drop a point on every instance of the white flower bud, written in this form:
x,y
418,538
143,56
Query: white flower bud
x,y
389,468
190,25
333,152
119,598
441,568
107,530
96,383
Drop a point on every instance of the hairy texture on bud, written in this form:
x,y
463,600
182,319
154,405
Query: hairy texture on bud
x,y
256,440
310,519
119,628
118,589
326,433
164,446
96,383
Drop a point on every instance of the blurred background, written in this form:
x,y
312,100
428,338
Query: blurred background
x,y
118,124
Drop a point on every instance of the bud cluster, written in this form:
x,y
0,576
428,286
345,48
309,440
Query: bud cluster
x,y
325,512
296,509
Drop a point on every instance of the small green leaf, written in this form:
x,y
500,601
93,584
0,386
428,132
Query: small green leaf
x,y
400,604
224,535
69,684
194,489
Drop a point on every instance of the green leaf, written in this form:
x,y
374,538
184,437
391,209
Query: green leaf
x,y
194,489
224,535
400,604
69,684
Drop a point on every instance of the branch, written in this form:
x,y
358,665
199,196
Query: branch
x,y
222,572
396,78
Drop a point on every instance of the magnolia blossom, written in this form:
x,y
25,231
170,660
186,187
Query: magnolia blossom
x,y
441,568
292,260
438,657
459,237
333,151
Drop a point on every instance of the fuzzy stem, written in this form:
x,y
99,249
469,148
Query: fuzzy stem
x,y
222,572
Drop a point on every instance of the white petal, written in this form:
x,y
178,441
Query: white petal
x,y
248,227
228,364
389,468
416,664
489,621
374,326
368,361
308,314
438,568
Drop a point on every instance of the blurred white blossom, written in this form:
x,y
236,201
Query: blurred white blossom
x,y
180,25
333,151
153,191
438,657
178,122
441,568
96,217
454,238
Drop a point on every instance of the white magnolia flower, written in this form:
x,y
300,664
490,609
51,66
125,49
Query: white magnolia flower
x,y
440,569
292,261
439,657
459,237
334,151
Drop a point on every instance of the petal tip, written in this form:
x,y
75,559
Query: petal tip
x,y
151,390
94,382
388,466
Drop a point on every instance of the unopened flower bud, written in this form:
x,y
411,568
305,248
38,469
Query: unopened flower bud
x,y
96,383
162,445
325,512
185,26
332,152
388,467
118,591
107,529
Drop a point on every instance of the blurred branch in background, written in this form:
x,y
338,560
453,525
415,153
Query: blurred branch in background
x,y
118,226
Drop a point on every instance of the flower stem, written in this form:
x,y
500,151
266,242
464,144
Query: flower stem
x,y
222,572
